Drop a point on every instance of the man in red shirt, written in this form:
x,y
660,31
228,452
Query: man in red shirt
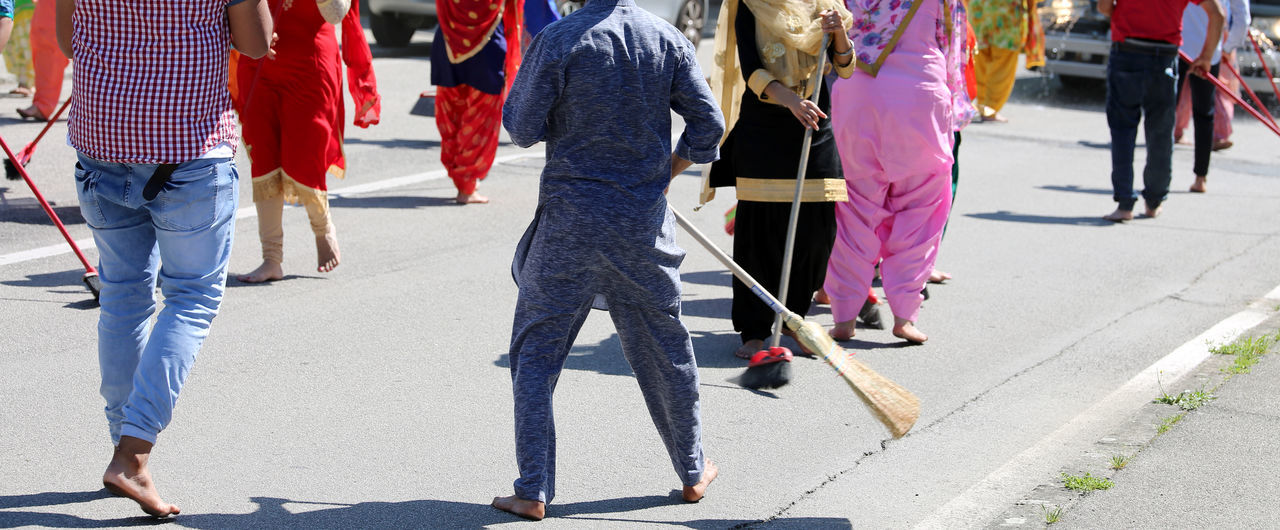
x,y
1142,78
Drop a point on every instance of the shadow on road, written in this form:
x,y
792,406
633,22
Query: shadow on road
x,y
27,211
1078,189
395,202
719,277
395,143
284,513
1005,215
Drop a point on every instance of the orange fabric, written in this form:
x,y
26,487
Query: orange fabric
x,y
469,122
50,64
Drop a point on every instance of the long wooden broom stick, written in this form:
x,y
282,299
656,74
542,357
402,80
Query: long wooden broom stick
x,y
895,407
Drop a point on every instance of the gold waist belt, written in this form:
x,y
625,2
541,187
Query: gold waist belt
x,y
784,190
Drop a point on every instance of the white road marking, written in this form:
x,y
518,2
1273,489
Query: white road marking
x,y
986,499
250,211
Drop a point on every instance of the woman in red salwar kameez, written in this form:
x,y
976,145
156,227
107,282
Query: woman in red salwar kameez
x,y
474,59
291,109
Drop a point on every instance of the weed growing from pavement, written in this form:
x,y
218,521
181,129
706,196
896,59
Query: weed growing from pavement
x,y
1247,351
1085,483
1168,423
1119,461
1051,516
1187,399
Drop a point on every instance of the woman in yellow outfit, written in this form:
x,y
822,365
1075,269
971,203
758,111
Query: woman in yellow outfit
x,y
1005,29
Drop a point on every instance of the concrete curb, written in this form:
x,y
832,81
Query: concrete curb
x,y
1129,440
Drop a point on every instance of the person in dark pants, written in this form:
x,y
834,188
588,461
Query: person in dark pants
x,y
1195,25
1142,80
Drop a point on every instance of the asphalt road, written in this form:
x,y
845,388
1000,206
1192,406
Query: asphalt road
x,y
379,395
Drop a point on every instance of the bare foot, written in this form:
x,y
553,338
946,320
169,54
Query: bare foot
x,y
327,254
938,276
32,113
906,330
1199,185
532,510
267,272
471,198
127,476
822,297
1153,213
1219,145
748,349
844,330
695,492
786,331
1119,216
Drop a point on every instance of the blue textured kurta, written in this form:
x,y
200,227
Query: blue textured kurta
x,y
599,87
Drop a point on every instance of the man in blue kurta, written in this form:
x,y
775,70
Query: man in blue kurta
x,y
599,87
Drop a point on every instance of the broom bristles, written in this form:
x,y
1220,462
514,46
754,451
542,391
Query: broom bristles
x,y
896,407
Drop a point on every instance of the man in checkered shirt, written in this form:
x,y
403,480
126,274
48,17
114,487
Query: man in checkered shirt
x,y
151,121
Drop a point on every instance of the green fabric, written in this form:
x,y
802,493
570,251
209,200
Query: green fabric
x,y
999,23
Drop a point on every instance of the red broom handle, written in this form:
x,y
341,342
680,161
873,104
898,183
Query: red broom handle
x,y
23,171
1218,83
49,123
1252,95
1265,68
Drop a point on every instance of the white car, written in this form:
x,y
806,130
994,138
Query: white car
x,y
394,21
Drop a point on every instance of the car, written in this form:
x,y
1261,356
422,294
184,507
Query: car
x,y
394,21
1078,41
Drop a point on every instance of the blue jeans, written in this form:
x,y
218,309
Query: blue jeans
x,y
1138,84
183,234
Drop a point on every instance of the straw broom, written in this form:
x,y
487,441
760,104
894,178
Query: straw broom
x,y
895,407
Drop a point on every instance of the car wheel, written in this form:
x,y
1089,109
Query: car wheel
x,y
1071,82
690,20
565,7
389,31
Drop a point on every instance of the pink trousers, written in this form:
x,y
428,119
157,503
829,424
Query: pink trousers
x,y
894,137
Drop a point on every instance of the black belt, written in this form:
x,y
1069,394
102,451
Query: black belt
x,y
1146,47
158,181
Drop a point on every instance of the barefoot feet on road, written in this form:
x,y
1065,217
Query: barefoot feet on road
x,y
844,330
528,509
1199,185
327,254
267,272
127,476
937,276
471,198
1119,216
748,349
695,492
906,330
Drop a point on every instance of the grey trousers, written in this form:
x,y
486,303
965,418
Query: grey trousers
x,y
654,342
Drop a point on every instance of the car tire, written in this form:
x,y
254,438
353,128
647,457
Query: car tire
x,y
389,31
565,7
691,18
1072,82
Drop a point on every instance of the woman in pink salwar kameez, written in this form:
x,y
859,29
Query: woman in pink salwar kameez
x,y
893,123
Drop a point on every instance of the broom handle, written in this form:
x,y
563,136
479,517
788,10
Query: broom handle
x,y
1218,83
47,209
45,129
736,269
1263,61
788,254
1227,62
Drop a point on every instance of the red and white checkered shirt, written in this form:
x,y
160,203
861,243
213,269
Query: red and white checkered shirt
x,y
150,80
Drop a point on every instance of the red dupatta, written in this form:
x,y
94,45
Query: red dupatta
x,y
360,79
467,25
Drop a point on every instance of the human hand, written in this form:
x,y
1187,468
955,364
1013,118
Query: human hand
x,y
807,112
271,50
831,21
1200,66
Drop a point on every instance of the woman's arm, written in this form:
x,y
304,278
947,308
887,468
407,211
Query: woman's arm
x,y
250,27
